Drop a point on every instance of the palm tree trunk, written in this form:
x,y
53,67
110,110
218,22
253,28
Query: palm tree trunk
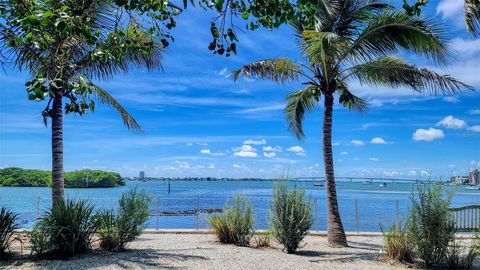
x,y
335,233
57,151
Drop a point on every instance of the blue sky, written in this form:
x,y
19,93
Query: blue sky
x,y
198,122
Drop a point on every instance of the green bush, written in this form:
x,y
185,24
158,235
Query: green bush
x,y
116,230
18,177
8,225
93,178
66,230
263,240
235,224
397,245
429,226
290,215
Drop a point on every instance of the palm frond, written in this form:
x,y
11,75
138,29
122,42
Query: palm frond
x,y
389,31
319,47
326,15
105,98
394,72
472,16
352,102
278,70
299,103
122,49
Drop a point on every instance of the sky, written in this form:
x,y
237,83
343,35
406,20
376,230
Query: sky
x,y
198,122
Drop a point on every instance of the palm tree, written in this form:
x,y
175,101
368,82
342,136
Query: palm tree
x,y
353,39
63,44
472,16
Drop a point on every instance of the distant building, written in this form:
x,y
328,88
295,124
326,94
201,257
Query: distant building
x,y
459,180
141,176
474,177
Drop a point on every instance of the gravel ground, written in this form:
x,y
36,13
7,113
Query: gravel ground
x,y
197,251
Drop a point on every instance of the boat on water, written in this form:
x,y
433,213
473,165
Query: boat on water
x,y
473,188
367,183
383,185
318,184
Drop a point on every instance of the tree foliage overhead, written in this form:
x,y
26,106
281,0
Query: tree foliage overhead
x,y
66,44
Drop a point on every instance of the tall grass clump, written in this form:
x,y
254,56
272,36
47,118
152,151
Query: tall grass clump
x,y
290,215
462,256
8,225
397,245
430,228
65,230
235,224
118,229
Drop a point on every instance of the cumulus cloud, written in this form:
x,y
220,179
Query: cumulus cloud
x,y
374,159
269,154
343,153
255,142
297,150
475,128
272,149
208,152
245,151
239,166
427,135
378,140
452,122
357,142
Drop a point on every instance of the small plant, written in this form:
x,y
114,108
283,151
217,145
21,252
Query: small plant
x,y
66,230
462,257
263,240
429,226
8,225
116,230
397,246
235,224
290,216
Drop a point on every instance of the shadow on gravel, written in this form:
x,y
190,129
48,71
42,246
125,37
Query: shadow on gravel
x,y
130,259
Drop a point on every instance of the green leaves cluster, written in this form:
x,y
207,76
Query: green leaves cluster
x,y
17,177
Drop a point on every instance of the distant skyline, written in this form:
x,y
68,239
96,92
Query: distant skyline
x,y
198,122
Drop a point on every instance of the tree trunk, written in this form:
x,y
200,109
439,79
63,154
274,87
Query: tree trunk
x,y
335,233
57,151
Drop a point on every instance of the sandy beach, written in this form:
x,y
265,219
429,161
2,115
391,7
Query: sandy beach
x,y
202,251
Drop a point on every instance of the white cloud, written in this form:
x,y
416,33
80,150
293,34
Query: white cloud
x,y
211,166
343,153
412,173
269,154
189,144
297,150
245,151
272,149
239,166
378,140
336,144
428,135
452,122
357,142
255,142
451,8
451,99
475,128
474,112
208,152
373,159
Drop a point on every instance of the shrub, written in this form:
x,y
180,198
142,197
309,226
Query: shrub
x,y
8,225
116,230
235,224
66,230
290,216
429,226
263,240
397,245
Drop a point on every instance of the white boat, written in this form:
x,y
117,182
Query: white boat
x,y
383,185
473,188
318,184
